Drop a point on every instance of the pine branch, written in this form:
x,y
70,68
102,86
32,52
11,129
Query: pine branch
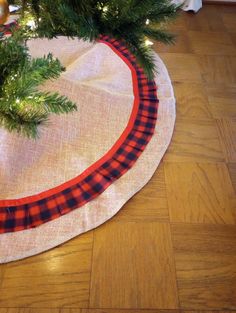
x,y
22,106
159,35
24,126
54,103
123,19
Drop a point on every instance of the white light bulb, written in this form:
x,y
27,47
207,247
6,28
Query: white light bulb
x,y
148,42
31,24
147,22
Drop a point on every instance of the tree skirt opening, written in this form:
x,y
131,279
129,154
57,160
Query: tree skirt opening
x,y
86,165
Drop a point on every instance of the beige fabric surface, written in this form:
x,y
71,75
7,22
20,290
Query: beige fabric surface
x,y
96,80
95,77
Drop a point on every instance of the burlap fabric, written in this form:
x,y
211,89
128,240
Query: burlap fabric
x,y
100,82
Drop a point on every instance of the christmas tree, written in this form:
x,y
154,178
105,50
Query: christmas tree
x,y
22,106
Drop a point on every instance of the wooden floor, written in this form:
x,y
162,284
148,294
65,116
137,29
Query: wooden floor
x,y
173,246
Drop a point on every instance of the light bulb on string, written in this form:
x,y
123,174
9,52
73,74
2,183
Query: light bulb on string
x,y
148,42
31,23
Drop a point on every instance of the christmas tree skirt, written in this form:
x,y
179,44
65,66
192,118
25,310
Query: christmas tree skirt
x,y
85,165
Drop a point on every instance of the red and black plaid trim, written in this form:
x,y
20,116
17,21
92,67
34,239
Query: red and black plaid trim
x,y
20,214
7,29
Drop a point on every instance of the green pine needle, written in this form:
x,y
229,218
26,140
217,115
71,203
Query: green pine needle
x,y
22,106
122,19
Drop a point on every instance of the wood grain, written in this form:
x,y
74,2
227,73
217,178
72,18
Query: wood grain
x,y
126,311
228,7
206,311
182,66
2,268
58,278
233,37
133,267
222,100
227,134
232,172
38,310
205,258
217,69
179,24
211,43
208,19
182,45
229,21
195,140
192,101
200,193
150,204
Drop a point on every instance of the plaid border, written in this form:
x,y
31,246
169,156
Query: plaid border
x,y
25,216
7,29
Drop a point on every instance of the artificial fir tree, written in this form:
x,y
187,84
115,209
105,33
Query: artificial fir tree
x,y
130,20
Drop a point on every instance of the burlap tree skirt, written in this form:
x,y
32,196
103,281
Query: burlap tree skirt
x,y
86,165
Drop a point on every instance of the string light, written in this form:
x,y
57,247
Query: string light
x,y
31,23
148,42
